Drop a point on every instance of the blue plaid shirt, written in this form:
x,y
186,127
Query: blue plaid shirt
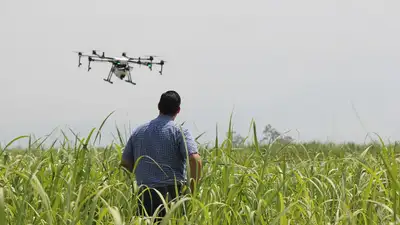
x,y
160,140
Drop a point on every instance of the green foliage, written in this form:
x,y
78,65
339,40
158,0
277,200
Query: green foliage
x,y
281,183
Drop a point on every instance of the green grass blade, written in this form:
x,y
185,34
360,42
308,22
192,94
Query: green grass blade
x,y
3,220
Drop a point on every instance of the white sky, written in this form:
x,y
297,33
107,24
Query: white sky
x,y
295,64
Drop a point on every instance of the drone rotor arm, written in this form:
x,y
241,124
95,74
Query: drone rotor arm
x,y
108,58
102,60
91,59
137,62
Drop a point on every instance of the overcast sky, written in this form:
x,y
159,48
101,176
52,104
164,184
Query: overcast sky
x,y
298,65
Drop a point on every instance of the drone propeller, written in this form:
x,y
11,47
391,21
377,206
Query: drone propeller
x,y
126,56
152,57
94,52
162,62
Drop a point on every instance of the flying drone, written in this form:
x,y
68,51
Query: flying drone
x,y
120,66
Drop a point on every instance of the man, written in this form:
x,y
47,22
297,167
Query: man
x,y
163,150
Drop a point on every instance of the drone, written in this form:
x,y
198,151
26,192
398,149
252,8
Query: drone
x,y
120,66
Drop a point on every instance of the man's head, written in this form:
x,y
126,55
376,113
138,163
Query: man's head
x,y
170,103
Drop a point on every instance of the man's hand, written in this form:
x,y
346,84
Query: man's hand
x,y
195,170
127,165
128,158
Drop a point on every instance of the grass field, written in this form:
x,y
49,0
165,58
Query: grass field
x,y
279,184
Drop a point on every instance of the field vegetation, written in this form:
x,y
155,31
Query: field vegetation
x,y
276,183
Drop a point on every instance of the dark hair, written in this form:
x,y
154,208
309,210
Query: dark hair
x,y
170,103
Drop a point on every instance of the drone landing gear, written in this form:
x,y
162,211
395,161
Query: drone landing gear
x,y
109,81
130,78
128,81
109,75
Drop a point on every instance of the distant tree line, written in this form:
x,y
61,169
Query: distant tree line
x,y
269,135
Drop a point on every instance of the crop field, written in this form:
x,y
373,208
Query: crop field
x,y
309,183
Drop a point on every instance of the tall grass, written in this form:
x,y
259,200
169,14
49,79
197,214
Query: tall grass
x,y
278,184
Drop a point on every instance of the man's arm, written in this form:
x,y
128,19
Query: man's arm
x,y
128,159
195,170
195,162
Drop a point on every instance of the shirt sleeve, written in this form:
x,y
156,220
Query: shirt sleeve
x,y
127,155
190,143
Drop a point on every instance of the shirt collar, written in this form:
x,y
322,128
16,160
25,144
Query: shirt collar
x,y
164,117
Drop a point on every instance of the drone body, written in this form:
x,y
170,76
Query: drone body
x,y
120,66
121,73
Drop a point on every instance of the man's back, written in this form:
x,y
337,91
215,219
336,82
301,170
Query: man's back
x,y
159,148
